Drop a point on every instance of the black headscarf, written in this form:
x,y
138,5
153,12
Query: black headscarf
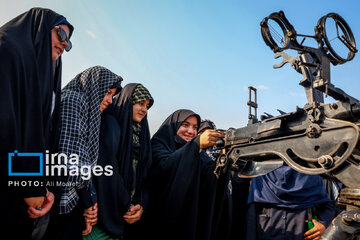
x,y
165,136
183,187
116,149
28,81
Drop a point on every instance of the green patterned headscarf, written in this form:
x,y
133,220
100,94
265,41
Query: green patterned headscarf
x,y
141,94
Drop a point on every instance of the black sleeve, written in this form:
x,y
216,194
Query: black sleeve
x,y
326,212
113,197
87,196
168,165
20,130
177,177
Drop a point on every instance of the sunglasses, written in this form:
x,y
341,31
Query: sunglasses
x,y
63,37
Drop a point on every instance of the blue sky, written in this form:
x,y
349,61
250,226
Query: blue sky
x,y
197,54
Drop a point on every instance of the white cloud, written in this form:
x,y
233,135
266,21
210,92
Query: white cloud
x,y
91,34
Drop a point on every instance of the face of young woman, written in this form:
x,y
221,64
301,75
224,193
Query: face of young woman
x,y
107,99
56,45
188,128
140,110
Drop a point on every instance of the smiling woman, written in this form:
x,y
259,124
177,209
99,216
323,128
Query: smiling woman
x,y
185,196
188,128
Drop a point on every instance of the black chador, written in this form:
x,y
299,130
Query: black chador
x,y
185,196
29,81
124,145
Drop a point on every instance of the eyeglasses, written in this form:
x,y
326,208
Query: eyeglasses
x,y
63,37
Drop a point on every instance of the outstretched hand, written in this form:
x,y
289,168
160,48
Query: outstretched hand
x,y
209,138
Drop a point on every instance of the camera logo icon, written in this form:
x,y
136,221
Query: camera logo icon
x,y
18,160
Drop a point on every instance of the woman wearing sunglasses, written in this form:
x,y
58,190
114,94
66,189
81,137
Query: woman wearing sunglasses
x,y
60,40
30,69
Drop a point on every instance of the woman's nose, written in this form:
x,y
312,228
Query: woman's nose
x,y
191,130
65,44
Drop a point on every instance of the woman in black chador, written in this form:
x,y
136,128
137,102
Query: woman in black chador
x,y
185,196
30,78
82,101
124,145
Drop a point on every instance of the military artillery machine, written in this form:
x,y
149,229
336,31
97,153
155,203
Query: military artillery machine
x,y
318,139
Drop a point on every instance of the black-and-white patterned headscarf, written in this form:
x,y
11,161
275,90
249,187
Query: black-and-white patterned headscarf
x,y
80,118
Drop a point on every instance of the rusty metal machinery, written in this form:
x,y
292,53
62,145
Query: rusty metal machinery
x,y
319,139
